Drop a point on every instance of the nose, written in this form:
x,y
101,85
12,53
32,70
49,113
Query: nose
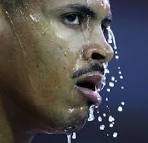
x,y
98,49
101,53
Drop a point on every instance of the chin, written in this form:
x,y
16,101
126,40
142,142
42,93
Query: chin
x,y
71,121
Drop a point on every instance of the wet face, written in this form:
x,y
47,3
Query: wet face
x,y
52,58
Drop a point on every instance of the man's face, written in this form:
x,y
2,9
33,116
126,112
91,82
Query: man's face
x,y
51,57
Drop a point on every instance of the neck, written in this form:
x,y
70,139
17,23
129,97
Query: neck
x,y
14,126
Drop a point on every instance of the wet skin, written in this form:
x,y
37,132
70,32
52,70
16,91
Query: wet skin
x,y
49,41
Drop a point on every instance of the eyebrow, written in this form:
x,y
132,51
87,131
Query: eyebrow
x,y
80,8
84,10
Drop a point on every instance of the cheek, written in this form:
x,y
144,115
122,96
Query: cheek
x,y
47,58
46,65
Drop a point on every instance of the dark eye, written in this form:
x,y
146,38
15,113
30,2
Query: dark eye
x,y
72,19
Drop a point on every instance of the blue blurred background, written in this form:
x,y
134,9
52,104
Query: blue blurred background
x,y
130,25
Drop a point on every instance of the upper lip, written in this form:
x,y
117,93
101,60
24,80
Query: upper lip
x,y
90,69
89,77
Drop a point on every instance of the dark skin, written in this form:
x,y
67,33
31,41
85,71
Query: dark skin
x,y
42,45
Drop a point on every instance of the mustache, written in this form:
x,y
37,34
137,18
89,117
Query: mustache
x,y
91,68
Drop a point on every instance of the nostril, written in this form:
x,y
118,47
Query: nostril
x,y
97,56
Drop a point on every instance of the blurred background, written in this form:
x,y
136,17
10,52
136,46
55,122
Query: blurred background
x,y
130,26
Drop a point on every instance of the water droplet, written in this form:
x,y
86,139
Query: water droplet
x,y
91,113
111,84
102,127
119,68
111,125
116,52
116,57
112,78
111,119
74,136
120,109
115,134
100,119
111,38
106,99
34,18
104,115
122,87
121,77
120,72
116,81
107,71
122,103
96,106
108,89
69,138
65,53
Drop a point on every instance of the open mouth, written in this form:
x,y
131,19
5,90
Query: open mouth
x,y
88,85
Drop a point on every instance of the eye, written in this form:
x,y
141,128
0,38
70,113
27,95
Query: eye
x,y
73,19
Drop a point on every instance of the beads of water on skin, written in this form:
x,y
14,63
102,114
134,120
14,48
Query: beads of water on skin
x,y
102,127
65,53
120,108
34,18
74,136
115,134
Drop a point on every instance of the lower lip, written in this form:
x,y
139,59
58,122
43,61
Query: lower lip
x,y
92,96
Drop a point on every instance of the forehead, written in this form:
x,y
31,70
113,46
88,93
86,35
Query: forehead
x,y
100,7
90,3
